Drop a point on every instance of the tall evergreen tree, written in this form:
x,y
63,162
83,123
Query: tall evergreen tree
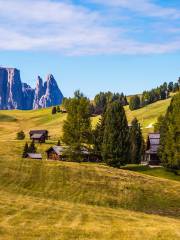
x,y
98,134
58,109
54,110
32,148
136,142
115,146
77,127
25,150
169,151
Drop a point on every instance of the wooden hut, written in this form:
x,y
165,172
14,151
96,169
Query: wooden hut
x,y
152,149
61,153
55,153
39,135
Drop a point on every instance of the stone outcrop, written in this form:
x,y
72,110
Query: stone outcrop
x,y
17,95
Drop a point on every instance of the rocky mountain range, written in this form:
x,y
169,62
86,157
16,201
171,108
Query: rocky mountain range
x,y
17,95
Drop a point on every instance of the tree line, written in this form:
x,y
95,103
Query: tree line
x,y
112,139
160,93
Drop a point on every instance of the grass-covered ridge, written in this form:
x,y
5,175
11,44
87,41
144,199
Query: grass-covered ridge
x,y
85,201
16,120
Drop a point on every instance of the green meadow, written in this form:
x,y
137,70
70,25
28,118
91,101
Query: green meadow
x,y
69,201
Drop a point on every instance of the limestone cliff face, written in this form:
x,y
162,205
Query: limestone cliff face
x,y
17,95
3,88
53,95
28,96
39,92
11,95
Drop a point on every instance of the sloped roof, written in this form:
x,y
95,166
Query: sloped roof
x,y
154,141
35,155
154,135
38,132
37,135
57,149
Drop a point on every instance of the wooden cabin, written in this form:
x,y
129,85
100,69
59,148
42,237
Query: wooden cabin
x,y
39,135
36,156
55,153
59,153
153,143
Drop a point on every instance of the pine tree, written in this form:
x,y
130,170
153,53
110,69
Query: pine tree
x,y
169,151
25,150
54,110
136,142
58,109
77,126
98,134
59,143
115,147
32,148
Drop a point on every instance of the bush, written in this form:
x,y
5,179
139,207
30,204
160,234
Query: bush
x,y
134,103
20,135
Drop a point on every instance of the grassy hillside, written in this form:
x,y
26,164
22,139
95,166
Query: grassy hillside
x,y
53,200
56,200
148,115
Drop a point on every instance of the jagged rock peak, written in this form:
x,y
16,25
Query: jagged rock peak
x,y
53,96
17,95
11,94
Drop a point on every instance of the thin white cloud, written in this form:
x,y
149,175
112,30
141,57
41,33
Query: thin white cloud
x,y
69,29
145,7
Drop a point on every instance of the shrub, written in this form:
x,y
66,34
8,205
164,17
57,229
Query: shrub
x,y
21,135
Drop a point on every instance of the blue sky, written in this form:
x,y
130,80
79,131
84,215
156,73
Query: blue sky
x,y
92,45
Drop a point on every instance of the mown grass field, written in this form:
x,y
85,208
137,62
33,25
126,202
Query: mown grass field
x,y
67,201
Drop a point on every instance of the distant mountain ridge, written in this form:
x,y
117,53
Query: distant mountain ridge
x,y
14,94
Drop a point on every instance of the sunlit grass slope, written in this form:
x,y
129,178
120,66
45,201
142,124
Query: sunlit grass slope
x,y
148,115
13,121
54,200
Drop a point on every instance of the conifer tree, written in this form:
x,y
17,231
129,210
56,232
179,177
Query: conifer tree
x,y
54,110
32,148
169,151
25,150
115,146
58,109
59,143
98,134
77,126
136,142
